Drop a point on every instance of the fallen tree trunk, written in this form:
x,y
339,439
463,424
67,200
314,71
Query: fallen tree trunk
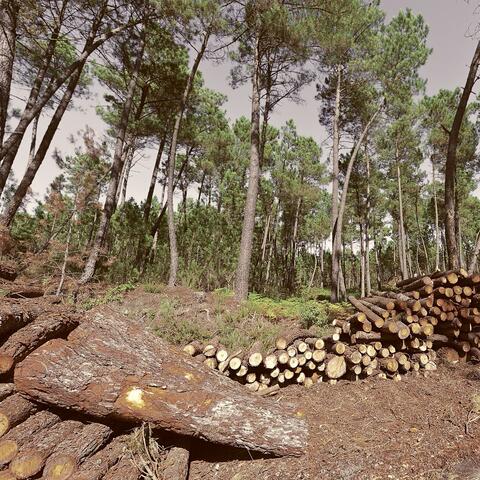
x,y
95,467
28,338
129,374
69,454
8,272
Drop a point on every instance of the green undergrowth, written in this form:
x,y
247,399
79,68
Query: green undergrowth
x,y
180,319
238,326
113,294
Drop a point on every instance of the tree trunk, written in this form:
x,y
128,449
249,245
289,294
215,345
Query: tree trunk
x,y
172,278
116,170
451,164
126,175
153,180
368,281
473,261
37,160
65,256
33,140
337,230
322,268
8,38
362,260
246,242
336,266
35,103
9,147
120,381
437,227
402,248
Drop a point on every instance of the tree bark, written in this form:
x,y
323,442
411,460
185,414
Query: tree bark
x,y
172,277
246,242
28,338
70,453
451,163
437,227
368,281
402,248
8,34
130,375
95,467
116,170
153,180
336,266
37,160
337,230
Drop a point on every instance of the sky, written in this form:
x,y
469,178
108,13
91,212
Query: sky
x,y
452,37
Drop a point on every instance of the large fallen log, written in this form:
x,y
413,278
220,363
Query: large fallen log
x,y
28,338
114,369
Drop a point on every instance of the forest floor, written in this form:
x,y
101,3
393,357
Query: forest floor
x,y
418,428
374,429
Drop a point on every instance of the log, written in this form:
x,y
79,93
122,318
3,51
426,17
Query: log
x,y
25,292
128,374
193,348
6,389
282,342
95,467
14,410
21,434
336,366
28,338
70,453
175,465
8,271
369,313
417,284
31,458
124,469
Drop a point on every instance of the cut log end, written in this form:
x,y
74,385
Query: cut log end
x,y
8,451
27,465
62,468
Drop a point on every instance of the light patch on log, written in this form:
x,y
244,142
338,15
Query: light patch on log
x,y
134,398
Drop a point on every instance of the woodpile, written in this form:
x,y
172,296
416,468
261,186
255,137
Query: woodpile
x,y
390,334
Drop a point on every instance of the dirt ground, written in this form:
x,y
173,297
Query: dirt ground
x,y
375,429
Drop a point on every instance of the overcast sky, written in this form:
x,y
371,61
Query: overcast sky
x,y
452,26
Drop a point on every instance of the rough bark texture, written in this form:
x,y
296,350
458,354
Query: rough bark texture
x,y
32,457
116,171
129,374
95,467
244,258
14,410
7,55
124,469
175,465
11,442
28,338
8,272
69,454
451,163
6,389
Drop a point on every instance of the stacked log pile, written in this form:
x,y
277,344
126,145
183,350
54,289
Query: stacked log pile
x,y
390,334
